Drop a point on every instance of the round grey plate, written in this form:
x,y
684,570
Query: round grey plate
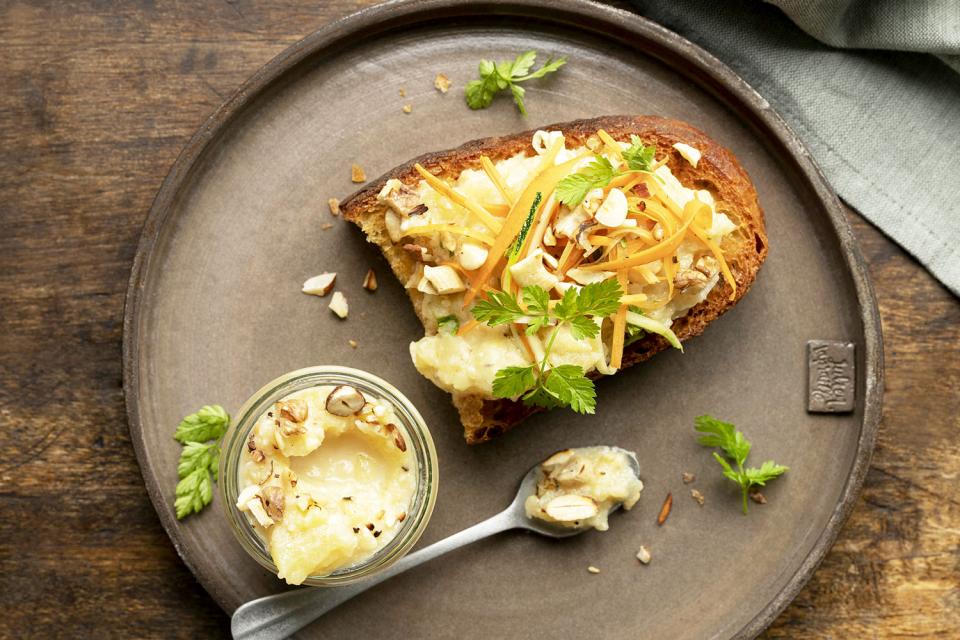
x,y
214,311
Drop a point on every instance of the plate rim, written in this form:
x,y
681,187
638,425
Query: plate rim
x,y
714,77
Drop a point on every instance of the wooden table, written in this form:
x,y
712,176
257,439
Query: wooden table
x,y
96,100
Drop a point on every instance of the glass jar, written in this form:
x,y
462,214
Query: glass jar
x,y
415,431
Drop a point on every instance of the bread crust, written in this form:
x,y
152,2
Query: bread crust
x,y
717,171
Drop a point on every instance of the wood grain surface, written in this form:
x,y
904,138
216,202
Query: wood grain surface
x,y
97,98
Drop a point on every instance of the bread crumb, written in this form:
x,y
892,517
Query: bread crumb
x,y
334,204
758,497
688,477
326,226
593,569
643,555
403,92
696,495
357,174
407,108
352,343
442,83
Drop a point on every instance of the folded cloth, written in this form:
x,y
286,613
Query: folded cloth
x,y
884,126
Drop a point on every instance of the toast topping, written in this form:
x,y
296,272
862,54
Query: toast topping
x,y
549,224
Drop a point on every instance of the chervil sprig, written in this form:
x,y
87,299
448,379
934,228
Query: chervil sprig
x,y
200,434
736,448
496,77
541,383
598,174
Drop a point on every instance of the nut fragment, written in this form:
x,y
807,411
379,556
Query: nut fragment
x,y
352,343
319,285
370,280
407,108
294,410
357,174
571,507
345,401
255,507
593,569
397,437
403,92
758,497
689,277
326,226
334,205
442,83
696,495
643,555
338,304
688,477
665,509
273,502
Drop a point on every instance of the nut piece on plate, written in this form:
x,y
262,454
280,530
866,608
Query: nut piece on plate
x,y
338,304
370,280
407,108
345,401
334,205
643,555
357,174
571,507
319,285
442,83
688,477
697,496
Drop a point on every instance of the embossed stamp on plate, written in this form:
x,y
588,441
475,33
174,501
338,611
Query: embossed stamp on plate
x,y
831,371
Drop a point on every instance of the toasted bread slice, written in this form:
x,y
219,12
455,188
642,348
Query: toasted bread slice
x,y
717,171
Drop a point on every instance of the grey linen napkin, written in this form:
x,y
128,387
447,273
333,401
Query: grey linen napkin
x,y
883,125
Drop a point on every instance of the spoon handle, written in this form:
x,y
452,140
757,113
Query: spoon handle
x,y
281,615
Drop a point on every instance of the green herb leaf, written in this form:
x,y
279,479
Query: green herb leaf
x,y
511,382
600,299
638,156
496,77
723,435
197,470
448,324
568,383
583,327
549,66
209,423
521,66
767,471
499,308
573,189
736,447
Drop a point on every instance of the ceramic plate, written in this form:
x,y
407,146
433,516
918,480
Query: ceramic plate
x,y
215,310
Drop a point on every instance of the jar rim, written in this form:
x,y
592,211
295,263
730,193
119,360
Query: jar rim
x,y
419,438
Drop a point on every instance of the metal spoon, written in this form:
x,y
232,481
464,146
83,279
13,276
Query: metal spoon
x,y
281,615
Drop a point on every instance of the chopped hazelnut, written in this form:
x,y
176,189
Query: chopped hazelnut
x,y
338,304
370,280
273,502
643,555
407,108
345,401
